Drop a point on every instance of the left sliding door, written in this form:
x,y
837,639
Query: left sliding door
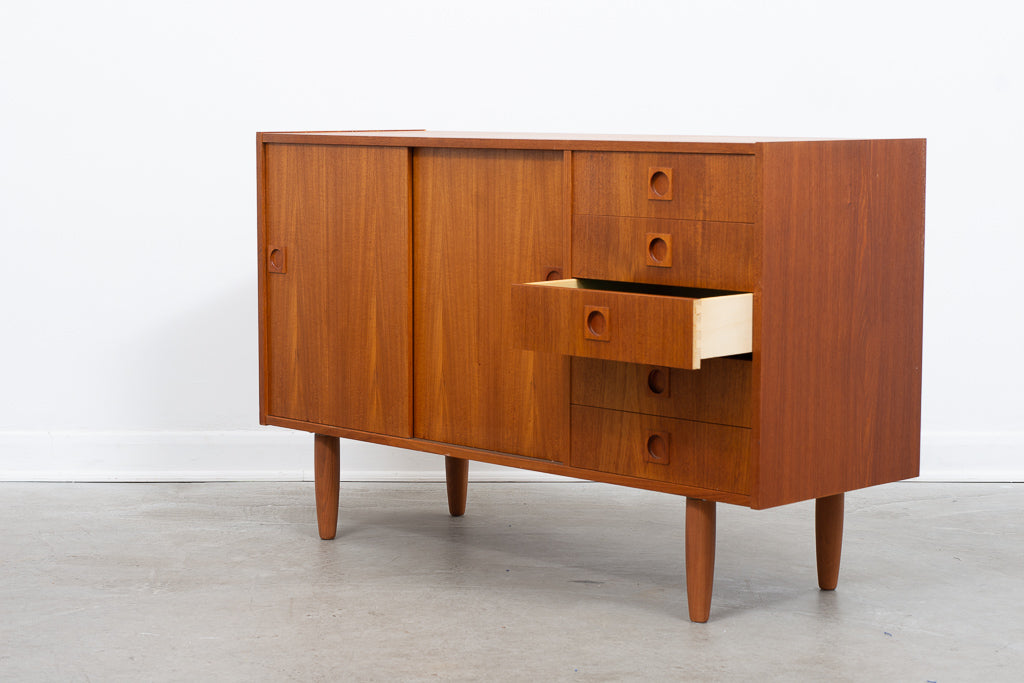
x,y
336,330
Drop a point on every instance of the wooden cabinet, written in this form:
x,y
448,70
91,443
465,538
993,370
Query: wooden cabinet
x,y
733,320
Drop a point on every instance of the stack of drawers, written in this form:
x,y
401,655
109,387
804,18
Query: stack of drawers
x,y
665,255
678,426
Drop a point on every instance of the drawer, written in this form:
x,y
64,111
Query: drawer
x,y
696,454
671,252
711,187
671,326
719,392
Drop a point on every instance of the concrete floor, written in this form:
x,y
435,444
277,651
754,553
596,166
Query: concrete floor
x,y
539,582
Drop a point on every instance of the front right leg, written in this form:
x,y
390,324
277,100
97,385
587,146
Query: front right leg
x,y
700,557
828,535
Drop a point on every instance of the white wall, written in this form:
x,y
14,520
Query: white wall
x,y
127,186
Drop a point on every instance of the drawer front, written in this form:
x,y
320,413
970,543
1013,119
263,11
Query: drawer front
x,y
711,187
669,252
719,392
572,317
696,454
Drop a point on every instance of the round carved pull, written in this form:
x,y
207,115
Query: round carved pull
x,y
658,249
597,324
660,183
553,274
657,448
276,260
657,381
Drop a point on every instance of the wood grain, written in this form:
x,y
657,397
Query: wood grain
x,y
485,220
456,476
700,557
339,322
699,454
326,483
703,254
697,144
713,187
676,329
828,537
261,279
839,362
719,392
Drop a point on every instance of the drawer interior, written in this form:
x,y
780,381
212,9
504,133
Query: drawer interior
x,y
638,288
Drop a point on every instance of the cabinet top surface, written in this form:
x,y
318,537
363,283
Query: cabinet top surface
x,y
554,141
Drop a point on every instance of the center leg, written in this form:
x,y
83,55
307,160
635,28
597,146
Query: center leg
x,y
456,473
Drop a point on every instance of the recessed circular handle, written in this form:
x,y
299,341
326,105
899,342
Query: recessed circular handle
x,y
657,447
660,183
553,274
657,381
658,249
597,323
277,260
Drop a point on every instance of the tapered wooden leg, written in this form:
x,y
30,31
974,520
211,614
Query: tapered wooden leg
x,y
456,474
326,478
828,537
700,557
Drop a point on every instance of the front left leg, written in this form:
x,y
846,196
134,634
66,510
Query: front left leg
x,y
326,482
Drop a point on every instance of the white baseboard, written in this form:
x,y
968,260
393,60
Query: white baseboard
x,y
270,454
972,456
264,454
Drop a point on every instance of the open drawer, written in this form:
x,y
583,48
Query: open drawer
x,y
670,326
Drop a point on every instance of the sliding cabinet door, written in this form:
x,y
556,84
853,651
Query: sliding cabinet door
x,y
484,220
338,309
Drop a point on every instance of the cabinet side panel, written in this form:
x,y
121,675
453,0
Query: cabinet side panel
x,y
261,271
340,330
842,285
483,221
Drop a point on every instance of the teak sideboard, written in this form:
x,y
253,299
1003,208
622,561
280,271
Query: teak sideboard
x,y
733,320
